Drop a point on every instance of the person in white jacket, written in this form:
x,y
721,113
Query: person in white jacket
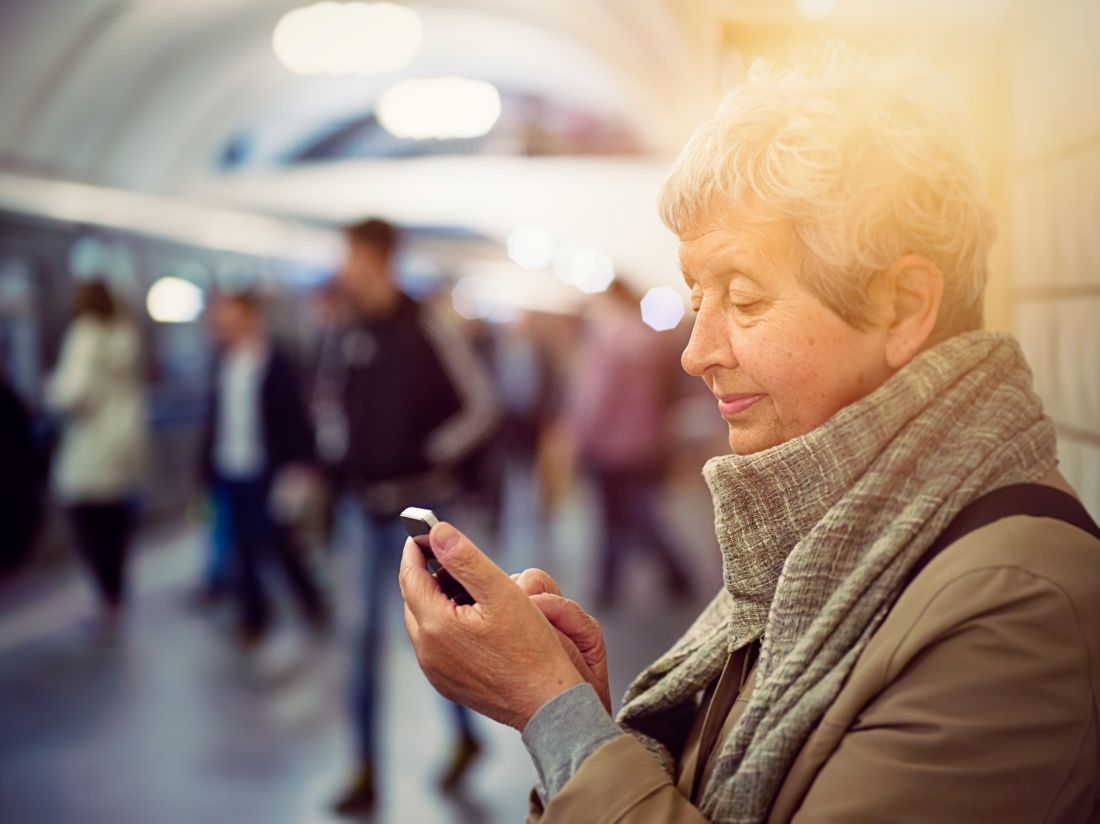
x,y
96,389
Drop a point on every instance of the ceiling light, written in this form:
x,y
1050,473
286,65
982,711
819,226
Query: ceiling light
x,y
439,108
347,38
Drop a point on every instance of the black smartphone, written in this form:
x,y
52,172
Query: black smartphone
x,y
419,523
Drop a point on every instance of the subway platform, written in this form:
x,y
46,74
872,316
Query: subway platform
x,y
175,723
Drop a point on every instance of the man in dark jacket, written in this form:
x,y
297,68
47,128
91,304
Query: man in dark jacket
x,y
258,436
407,400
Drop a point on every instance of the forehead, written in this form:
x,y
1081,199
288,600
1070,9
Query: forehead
x,y
725,240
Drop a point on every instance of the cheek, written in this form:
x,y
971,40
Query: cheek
x,y
810,376
844,379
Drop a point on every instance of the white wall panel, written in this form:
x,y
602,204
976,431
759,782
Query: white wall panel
x,y
1056,226
1075,206
1036,332
1080,463
1056,78
1055,208
1078,329
1032,223
1061,340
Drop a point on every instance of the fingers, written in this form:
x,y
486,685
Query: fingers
x,y
575,656
579,633
536,582
418,588
567,617
468,565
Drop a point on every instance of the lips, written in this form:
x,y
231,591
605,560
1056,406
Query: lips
x,y
730,405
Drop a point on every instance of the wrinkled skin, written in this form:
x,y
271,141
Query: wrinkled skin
x,y
509,653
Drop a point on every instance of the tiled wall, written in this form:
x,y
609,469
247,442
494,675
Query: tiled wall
x,y
1054,187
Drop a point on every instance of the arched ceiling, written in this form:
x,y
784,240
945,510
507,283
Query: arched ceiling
x,y
141,93
146,94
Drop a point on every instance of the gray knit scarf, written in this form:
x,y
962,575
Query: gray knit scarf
x,y
817,536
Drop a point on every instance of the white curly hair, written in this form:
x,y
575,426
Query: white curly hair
x,y
870,158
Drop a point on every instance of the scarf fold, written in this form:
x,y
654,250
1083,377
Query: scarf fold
x,y
817,536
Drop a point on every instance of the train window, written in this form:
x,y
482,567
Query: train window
x,y
236,272
188,269
19,355
176,300
88,257
113,261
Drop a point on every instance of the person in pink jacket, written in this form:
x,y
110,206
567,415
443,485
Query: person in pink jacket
x,y
617,414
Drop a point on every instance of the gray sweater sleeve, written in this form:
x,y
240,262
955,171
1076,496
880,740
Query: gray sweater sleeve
x,y
565,731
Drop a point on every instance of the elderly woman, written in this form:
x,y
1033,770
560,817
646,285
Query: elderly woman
x,y
892,640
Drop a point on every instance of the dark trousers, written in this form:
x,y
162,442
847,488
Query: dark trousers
x,y
259,543
630,502
102,532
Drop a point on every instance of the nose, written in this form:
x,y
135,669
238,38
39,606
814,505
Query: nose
x,y
709,344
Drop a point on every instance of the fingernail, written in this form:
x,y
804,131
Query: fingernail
x,y
446,536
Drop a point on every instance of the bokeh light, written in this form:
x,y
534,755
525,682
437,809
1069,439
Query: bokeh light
x,y
174,300
590,270
466,299
531,247
662,308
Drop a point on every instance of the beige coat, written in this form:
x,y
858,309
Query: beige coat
x,y
976,701
97,387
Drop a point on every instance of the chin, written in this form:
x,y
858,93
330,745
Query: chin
x,y
746,442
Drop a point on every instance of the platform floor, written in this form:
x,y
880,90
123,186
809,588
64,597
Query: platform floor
x,y
176,724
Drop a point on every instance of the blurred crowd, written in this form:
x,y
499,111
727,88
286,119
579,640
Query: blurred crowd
x,y
383,402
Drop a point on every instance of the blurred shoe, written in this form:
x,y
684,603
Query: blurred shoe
x,y
466,751
358,798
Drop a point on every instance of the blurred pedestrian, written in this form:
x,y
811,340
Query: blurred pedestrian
x,y
258,440
21,476
96,388
528,389
413,402
617,418
219,571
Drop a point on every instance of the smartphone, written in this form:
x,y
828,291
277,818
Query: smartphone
x,y
419,523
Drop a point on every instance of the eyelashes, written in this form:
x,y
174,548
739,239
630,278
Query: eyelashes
x,y
747,307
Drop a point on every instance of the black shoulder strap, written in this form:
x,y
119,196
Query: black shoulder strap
x,y
1036,500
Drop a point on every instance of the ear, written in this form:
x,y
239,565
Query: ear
x,y
915,300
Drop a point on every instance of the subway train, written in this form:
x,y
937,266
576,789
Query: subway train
x,y
161,272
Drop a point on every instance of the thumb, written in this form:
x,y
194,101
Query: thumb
x,y
468,565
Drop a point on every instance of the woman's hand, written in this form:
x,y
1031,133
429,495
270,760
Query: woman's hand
x,y
499,656
579,633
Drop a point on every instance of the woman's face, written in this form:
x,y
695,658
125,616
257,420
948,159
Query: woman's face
x,y
778,360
